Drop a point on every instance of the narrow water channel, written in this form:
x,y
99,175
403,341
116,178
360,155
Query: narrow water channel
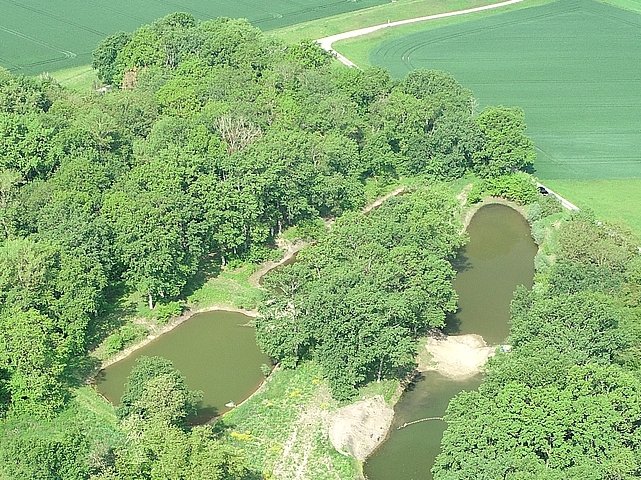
x,y
498,257
215,351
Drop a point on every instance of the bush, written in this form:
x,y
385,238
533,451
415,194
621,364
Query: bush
x,y
123,337
306,230
545,206
164,311
518,187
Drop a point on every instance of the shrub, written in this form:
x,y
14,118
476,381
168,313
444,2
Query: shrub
x,y
518,187
545,206
164,311
123,337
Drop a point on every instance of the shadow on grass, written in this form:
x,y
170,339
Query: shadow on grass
x,y
210,268
113,314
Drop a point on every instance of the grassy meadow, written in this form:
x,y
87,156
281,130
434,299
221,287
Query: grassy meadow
x,y
52,35
572,65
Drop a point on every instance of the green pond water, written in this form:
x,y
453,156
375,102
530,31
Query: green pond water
x,y
498,257
215,351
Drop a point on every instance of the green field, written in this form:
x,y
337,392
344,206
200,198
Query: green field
x,y
572,65
387,12
49,35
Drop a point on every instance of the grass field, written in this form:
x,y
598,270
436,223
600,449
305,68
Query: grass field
x,y
76,78
50,35
616,200
572,65
389,11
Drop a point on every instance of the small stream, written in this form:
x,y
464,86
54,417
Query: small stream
x,y
498,257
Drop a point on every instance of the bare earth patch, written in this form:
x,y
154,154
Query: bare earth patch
x,y
456,356
311,425
357,429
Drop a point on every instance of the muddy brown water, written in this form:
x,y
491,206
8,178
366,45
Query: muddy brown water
x,y
215,351
498,257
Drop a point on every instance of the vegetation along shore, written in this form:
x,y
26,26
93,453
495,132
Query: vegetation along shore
x,y
348,212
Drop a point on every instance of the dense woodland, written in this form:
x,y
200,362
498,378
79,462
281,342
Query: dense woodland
x,y
358,300
214,139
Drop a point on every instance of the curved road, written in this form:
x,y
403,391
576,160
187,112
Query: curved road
x,y
327,42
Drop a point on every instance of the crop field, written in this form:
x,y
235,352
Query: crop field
x,y
48,35
574,66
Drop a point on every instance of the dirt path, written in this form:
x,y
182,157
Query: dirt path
x,y
291,249
326,43
311,426
378,202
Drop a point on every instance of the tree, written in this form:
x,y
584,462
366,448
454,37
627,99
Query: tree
x,y
155,227
32,351
155,390
506,148
440,90
585,429
358,299
587,241
104,56
9,181
309,54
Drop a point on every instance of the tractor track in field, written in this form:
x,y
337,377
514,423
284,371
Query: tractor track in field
x,y
327,43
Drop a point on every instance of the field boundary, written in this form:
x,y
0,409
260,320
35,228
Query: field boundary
x,y
326,43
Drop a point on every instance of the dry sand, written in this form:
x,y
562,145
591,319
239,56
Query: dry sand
x,y
357,429
456,356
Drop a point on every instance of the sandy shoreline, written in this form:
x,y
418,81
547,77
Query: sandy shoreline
x,y
470,211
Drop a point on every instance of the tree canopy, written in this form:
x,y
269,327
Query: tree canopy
x,y
214,139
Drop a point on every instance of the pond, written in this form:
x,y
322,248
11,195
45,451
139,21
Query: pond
x,y
498,257
215,351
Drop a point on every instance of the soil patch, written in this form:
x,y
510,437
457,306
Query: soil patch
x,y
357,429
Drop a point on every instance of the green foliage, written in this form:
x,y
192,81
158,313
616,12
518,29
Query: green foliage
x,y
73,445
156,391
358,299
588,241
219,140
157,450
165,311
564,402
306,231
123,337
544,206
506,148
230,287
23,95
104,56
281,404
583,429
518,187
43,458
309,54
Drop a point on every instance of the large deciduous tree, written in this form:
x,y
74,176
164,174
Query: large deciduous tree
x,y
506,148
